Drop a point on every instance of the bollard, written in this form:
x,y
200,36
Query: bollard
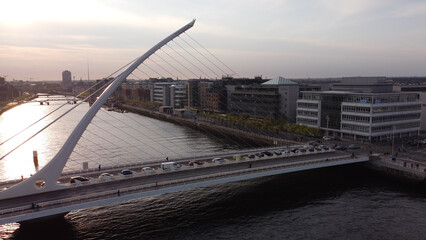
x,y
35,159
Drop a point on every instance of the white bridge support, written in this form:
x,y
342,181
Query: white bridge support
x,y
50,173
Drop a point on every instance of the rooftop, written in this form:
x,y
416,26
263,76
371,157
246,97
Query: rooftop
x,y
279,81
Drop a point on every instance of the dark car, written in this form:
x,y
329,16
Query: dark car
x,y
126,172
195,163
340,147
267,153
259,154
277,153
251,156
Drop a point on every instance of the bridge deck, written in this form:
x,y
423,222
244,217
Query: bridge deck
x,y
141,185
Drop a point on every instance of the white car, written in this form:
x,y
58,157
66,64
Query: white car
x,y
106,177
326,138
79,180
219,160
148,170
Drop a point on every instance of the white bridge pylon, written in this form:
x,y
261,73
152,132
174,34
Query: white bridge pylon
x,y
51,172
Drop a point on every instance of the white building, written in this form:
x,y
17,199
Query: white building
x,y
368,116
172,94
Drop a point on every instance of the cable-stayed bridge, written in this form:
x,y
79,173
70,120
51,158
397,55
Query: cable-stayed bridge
x,y
48,191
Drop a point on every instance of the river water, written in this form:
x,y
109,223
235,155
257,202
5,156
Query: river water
x,y
338,203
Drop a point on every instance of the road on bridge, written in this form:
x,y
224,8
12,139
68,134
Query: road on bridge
x,y
140,179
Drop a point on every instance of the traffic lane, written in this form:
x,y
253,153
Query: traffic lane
x,y
147,179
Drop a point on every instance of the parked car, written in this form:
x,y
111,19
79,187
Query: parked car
x,y
277,153
148,170
259,154
106,177
326,138
354,146
251,156
79,180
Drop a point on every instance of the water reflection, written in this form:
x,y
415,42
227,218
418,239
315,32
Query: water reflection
x,y
112,138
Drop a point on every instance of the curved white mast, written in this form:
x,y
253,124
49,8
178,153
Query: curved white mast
x,y
52,171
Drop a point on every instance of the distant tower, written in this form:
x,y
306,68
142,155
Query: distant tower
x,y
66,80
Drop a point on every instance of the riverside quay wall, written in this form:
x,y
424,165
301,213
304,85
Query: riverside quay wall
x,y
254,138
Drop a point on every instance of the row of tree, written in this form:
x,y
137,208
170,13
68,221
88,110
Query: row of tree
x,y
266,124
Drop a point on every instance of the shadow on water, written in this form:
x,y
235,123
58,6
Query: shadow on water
x,y
52,229
185,214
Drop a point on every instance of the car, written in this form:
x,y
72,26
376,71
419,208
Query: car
x,y
326,138
311,149
277,153
324,147
195,163
79,180
340,147
148,170
335,138
218,160
106,176
354,146
126,172
269,154
259,154
251,156
295,150
302,150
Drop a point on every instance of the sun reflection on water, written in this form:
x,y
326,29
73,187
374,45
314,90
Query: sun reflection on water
x,y
20,162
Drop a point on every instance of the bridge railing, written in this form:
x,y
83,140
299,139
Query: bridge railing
x,y
196,158
153,186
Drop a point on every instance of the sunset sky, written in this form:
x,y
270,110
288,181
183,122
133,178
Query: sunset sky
x,y
289,38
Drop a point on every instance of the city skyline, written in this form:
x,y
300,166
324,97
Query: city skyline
x,y
293,39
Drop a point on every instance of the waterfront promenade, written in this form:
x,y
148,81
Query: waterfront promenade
x,y
409,164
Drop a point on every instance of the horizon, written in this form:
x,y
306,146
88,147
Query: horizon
x,y
293,39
